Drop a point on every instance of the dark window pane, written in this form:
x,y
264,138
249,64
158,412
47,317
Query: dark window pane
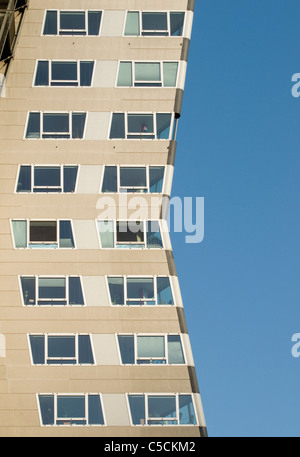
x,y
175,352
56,125
94,18
133,177
117,129
140,126
86,73
154,24
161,407
78,123
140,288
37,344
110,183
95,410
164,292
137,409
47,176
28,289
116,289
163,126
176,20
50,27
85,349
61,346
43,231
154,239
70,177
33,126
75,291
126,345
42,74
186,410
130,232
64,71
156,178
70,406
52,288
47,409
66,235
24,181
72,21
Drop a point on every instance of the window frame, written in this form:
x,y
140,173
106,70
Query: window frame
x,y
86,11
136,348
133,243
56,418
70,114
140,35
67,290
161,62
46,354
154,277
32,169
51,61
160,394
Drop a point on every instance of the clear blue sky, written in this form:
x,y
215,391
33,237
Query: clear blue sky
x,y
239,148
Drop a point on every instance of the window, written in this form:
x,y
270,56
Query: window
x,y
61,349
55,125
177,409
72,22
154,23
130,234
47,178
64,73
140,291
51,291
148,126
43,234
68,409
151,349
147,74
142,179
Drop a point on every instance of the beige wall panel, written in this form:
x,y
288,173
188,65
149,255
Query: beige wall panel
x,y
110,4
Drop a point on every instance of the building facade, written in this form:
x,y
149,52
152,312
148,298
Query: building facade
x,y
93,338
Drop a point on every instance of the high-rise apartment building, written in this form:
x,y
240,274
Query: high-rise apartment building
x,y
93,338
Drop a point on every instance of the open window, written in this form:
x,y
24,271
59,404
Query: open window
x,y
147,74
157,23
147,126
55,125
70,23
130,234
70,410
47,178
43,234
52,291
64,73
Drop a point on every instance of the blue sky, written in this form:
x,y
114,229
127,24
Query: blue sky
x,y
239,148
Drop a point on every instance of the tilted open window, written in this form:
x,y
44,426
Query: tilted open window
x,y
66,73
130,234
52,291
42,234
147,74
148,23
80,23
47,178
143,179
55,125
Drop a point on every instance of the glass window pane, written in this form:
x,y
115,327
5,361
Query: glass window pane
x,y
163,121
126,345
61,346
47,409
94,19
86,73
50,27
24,180
140,126
151,346
56,125
37,345
70,177
63,72
117,130
28,290
154,239
116,290
170,73
52,288
95,410
42,74
130,232
164,292
125,74
66,239
175,352
133,177
132,27
72,20
161,407
20,233
106,232
70,406
154,24
43,232
33,126
140,288
186,410
156,178
78,123
85,353
147,72
176,20
47,176
137,409
75,291
110,182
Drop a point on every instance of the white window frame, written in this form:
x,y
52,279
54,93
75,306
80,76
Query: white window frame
x,y
30,245
125,277
161,62
56,418
51,61
58,11
32,169
137,358
67,295
154,11
177,418
70,113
